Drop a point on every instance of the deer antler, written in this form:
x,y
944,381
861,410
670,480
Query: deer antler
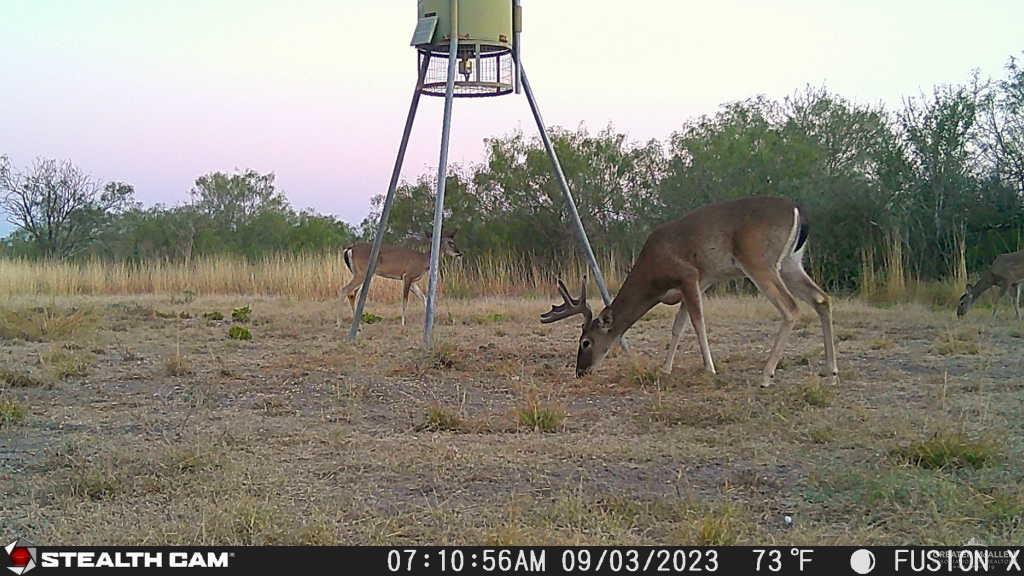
x,y
570,307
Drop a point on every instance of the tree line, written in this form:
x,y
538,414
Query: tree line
x,y
944,170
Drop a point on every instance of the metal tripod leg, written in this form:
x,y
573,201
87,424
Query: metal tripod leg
x,y
382,226
442,169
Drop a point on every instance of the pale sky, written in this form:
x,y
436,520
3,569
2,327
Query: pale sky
x,y
158,92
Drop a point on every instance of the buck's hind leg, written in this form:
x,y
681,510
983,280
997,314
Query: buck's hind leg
x,y
804,288
349,291
995,305
416,290
768,281
1016,302
406,285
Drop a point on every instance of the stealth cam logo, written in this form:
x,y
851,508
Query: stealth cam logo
x,y
21,556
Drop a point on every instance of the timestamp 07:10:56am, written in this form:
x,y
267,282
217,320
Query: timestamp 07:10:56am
x,y
536,560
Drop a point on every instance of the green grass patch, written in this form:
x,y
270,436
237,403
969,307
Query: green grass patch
x,y
815,393
242,314
237,332
371,318
10,412
541,416
947,449
495,318
213,316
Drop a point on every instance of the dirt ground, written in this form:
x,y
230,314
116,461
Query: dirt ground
x,y
135,420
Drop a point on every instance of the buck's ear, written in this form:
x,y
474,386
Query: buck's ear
x,y
604,320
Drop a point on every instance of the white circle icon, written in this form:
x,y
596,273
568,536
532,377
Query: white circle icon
x,y
862,561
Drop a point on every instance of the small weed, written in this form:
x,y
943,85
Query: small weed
x,y
822,435
20,379
717,529
178,364
10,412
184,315
957,342
720,526
242,314
495,318
845,335
644,376
443,356
371,318
166,315
440,419
186,297
237,332
948,449
815,393
880,344
66,363
90,478
543,417
213,316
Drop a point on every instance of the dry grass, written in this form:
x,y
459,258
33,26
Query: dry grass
x,y
177,364
67,361
21,378
300,437
44,323
955,341
304,276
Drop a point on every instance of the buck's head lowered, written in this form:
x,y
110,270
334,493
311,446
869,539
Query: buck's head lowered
x,y
596,339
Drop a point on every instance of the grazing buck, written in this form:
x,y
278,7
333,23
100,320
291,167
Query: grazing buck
x,y
395,263
760,238
1006,272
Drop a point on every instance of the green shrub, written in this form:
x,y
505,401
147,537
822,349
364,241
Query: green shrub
x,y
241,314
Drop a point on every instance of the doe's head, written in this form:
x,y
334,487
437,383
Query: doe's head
x,y
596,339
448,245
966,301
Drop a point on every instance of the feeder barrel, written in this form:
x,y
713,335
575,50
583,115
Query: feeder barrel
x,y
485,22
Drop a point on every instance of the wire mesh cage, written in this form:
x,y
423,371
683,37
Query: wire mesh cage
x,y
480,71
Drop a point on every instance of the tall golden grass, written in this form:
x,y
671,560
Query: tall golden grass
x,y
888,282
298,276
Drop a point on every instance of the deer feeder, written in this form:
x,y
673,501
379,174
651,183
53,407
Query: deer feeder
x,y
465,49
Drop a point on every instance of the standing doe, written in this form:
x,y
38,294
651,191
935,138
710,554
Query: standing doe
x,y
395,263
761,238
